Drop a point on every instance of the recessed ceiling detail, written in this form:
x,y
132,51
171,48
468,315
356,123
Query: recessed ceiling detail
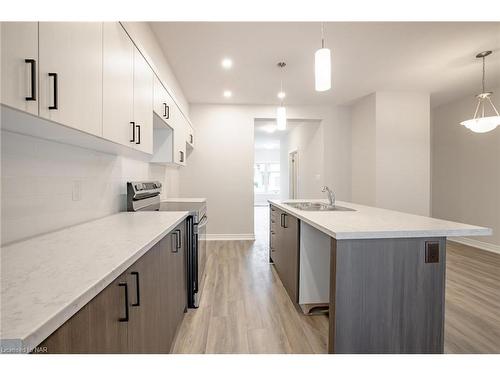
x,y
434,57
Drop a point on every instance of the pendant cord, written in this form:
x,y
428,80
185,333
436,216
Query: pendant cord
x,y
322,35
484,63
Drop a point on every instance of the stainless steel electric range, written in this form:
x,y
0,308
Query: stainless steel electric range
x,y
145,196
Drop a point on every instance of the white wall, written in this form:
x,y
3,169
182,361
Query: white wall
x,y
221,166
37,184
391,151
363,151
465,168
403,152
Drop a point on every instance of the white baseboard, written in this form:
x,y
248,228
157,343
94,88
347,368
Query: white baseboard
x,y
231,237
475,243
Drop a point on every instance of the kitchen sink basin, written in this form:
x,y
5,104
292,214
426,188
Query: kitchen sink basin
x,y
315,206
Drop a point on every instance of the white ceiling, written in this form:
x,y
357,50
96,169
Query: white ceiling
x,y
367,57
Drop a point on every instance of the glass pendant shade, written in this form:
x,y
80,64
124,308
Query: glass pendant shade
x,y
323,69
486,117
481,123
281,118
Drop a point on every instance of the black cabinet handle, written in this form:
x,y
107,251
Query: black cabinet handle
x,y
191,139
138,134
181,159
32,62
54,106
137,289
126,302
166,111
175,247
179,237
133,131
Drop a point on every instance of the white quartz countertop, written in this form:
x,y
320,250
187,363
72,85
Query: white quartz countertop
x,y
48,278
185,200
371,222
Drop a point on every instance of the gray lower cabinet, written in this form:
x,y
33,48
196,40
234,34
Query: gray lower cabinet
x,y
284,250
139,312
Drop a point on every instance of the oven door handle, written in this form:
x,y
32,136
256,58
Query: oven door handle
x,y
202,222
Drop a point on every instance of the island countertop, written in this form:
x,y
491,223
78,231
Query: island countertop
x,y
370,222
48,278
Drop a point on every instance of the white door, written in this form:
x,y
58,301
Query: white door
x,y
70,72
118,85
143,103
20,65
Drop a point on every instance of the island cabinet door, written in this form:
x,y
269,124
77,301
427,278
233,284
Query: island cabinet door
x,y
290,248
285,251
144,335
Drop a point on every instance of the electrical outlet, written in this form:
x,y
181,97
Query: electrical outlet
x,y
431,252
77,190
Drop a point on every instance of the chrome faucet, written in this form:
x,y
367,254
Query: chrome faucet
x,y
331,195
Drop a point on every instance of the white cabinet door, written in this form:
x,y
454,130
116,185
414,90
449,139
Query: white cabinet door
x,y
118,85
180,140
19,65
143,103
70,71
164,106
159,96
190,135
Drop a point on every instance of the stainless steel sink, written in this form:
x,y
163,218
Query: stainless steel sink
x,y
315,206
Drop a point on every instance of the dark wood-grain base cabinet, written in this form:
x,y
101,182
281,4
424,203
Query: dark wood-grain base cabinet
x,y
284,250
139,312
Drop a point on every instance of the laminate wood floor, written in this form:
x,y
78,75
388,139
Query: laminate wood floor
x,y
245,309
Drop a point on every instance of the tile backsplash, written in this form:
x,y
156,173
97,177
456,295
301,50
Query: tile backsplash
x,y
48,185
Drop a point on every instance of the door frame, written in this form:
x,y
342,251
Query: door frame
x,y
293,174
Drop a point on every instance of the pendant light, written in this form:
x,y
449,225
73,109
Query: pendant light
x,y
281,111
481,123
323,65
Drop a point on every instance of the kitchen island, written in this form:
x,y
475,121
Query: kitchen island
x,y
386,274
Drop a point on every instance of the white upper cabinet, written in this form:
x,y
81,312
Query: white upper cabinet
x,y
143,103
189,134
118,85
164,106
90,76
70,71
180,139
19,50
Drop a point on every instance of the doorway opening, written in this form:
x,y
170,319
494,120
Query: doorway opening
x,y
288,164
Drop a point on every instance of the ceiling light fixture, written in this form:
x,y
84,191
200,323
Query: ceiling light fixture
x,y
227,94
227,63
281,95
323,65
281,111
481,122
